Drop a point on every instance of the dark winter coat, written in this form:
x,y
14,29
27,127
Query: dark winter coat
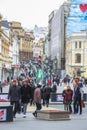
x,y
47,91
25,94
77,93
69,94
14,93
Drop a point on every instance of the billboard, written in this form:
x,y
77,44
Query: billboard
x,y
59,98
77,17
3,113
3,97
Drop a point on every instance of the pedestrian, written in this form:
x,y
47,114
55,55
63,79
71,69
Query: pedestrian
x,y
43,95
64,98
85,81
77,100
8,79
0,87
54,87
47,91
14,96
80,83
37,99
68,97
32,93
25,96
19,83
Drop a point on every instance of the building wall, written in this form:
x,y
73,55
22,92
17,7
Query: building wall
x,y
5,58
71,50
25,41
57,36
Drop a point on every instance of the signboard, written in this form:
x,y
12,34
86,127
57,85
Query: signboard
x,y
3,97
36,51
59,98
3,113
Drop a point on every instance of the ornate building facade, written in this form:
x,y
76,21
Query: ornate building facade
x,y
5,52
25,41
76,54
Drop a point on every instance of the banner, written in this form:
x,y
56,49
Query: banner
x,y
77,16
3,113
59,98
79,1
3,97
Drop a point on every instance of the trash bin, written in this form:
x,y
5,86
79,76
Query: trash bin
x,y
6,113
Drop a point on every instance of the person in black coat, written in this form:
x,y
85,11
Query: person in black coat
x,y
0,87
14,96
25,96
77,99
47,91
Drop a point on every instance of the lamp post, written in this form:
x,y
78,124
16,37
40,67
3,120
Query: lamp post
x,y
50,67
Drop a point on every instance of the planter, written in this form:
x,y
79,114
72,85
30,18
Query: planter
x,y
53,115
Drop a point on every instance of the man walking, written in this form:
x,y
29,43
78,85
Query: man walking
x,y
25,96
14,95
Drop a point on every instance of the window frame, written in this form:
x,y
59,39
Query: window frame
x,y
77,58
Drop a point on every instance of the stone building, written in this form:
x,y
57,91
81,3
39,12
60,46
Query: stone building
x,y
76,54
5,51
25,41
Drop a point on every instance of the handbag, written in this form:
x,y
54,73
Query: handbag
x,y
82,104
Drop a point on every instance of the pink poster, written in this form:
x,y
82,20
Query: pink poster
x,y
3,114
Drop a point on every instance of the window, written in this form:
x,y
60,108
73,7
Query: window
x,y
75,44
77,58
79,44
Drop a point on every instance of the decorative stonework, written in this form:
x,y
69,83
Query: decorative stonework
x,y
53,115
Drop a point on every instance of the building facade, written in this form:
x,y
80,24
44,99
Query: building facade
x,y
15,61
76,54
57,35
5,52
25,41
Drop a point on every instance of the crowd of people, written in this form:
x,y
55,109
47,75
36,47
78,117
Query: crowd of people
x,y
74,95
24,92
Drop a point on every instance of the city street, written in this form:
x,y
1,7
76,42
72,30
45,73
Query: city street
x,y
19,123
78,122
43,65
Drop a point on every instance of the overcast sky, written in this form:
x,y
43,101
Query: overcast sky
x,y
28,12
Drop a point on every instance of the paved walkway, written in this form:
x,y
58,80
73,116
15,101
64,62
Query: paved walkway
x,y
77,122
32,108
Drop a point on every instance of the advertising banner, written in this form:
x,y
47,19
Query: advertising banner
x,y
59,98
3,97
3,114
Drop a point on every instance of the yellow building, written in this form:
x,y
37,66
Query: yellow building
x,y
25,41
5,53
76,54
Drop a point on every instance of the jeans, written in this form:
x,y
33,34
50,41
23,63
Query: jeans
x,y
77,106
69,108
25,108
16,106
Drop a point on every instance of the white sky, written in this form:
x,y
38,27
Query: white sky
x,y
28,12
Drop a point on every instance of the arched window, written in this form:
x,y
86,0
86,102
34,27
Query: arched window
x,y
78,58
